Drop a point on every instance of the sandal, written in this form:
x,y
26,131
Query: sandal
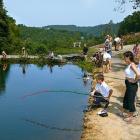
x,y
135,114
122,114
128,119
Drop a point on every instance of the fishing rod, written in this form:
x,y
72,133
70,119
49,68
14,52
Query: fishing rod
x,y
58,91
74,72
53,91
50,127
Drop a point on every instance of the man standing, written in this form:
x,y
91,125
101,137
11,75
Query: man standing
x,y
85,51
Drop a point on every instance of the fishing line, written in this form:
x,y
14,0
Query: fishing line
x,y
50,127
74,72
58,91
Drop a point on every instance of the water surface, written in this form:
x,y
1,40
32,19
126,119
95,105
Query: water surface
x,y
42,103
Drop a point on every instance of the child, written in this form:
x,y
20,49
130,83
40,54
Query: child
x,y
101,93
106,62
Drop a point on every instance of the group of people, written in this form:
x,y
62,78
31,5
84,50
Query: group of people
x,y
103,57
117,42
102,92
4,54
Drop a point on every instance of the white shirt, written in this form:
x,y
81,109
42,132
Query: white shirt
x,y
129,73
117,39
106,42
103,88
106,56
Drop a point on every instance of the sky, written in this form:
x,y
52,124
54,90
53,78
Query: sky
x,y
38,13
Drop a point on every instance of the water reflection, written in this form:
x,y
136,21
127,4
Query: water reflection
x,y
24,68
86,78
4,71
50,68
5,66
52,107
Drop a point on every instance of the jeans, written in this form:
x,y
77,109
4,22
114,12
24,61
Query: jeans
x,y
99,98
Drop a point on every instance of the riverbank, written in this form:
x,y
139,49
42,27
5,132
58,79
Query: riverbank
x,y
42,59
112,127
59,57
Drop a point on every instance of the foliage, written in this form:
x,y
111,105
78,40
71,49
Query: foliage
x,y
131,38
42,40
130,24
8,31
94,31
86,65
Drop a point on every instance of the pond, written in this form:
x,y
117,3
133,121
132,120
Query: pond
x,y
42,103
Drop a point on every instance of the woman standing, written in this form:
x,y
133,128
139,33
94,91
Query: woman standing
x,y
131,77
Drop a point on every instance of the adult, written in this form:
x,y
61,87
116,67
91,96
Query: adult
x,y
4,55
121,42
136,51
97,58
131,77
106,43
85,51
117,42
51,55
110,46
23,51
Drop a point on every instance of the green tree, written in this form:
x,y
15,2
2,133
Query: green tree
x,y
9,32
130,24
1,4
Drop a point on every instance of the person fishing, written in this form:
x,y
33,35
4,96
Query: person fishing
x,y
101,93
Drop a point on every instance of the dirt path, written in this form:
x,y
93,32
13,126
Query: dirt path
x,y
112,127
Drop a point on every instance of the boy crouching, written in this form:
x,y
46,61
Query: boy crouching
x,y
101,93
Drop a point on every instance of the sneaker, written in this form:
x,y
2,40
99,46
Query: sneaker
x,y
104,115
92,93
102,112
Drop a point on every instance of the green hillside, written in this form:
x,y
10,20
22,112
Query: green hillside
x,y
95,30
42,40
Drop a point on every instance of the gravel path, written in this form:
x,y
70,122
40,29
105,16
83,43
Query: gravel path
x,y
112,127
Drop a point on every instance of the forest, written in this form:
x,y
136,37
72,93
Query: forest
x,y
59,38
